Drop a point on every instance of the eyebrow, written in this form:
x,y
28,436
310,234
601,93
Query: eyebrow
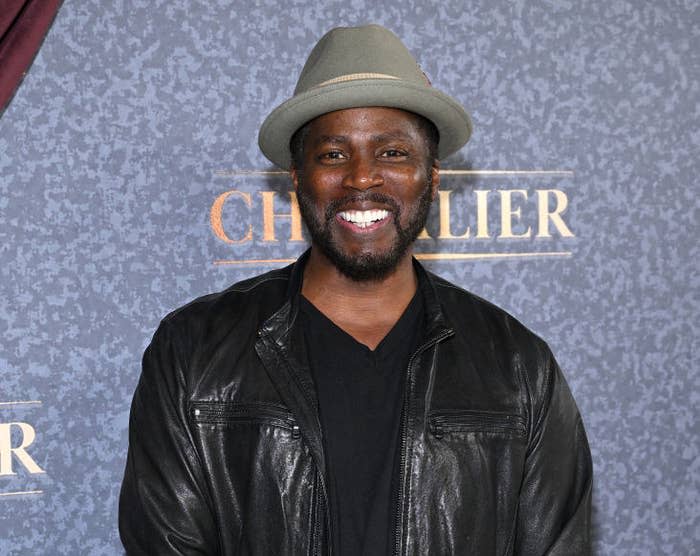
x,y
343,139
331,139
391,136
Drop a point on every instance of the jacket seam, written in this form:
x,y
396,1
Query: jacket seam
x,y
549,379
525,380
239,289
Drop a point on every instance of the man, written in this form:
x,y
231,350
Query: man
x,y
354,403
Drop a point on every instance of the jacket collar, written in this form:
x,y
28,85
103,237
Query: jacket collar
x,y
436,322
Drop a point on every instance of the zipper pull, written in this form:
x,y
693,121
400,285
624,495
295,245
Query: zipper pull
x,y
436,429
296,433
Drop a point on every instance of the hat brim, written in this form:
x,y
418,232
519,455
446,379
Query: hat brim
x,y
452,121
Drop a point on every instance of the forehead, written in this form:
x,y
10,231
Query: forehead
x,y
377,121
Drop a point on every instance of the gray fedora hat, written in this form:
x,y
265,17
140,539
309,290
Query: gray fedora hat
x,y
353,67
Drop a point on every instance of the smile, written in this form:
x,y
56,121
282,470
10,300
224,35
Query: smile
x,y
363,218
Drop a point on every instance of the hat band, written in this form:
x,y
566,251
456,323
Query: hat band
x,y
354,77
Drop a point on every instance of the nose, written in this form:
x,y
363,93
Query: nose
x,y
363,173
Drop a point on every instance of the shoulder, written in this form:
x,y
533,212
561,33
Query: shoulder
x,y
510,349
193,339
256,292
471,313
238,310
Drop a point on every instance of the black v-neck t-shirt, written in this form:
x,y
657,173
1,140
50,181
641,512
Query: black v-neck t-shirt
x,y
360,395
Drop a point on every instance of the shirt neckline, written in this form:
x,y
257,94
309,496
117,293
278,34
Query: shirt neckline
x,y
401,330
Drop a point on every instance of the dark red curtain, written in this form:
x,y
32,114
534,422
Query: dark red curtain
x,y
23,26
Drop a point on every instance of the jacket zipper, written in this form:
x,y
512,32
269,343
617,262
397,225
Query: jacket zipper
x,y
469,420
252,413
398,524
316,536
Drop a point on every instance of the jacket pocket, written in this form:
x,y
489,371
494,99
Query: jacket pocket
x,y
226,413
448,421
259,474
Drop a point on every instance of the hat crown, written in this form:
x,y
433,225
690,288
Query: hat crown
x,y
355,67
370,51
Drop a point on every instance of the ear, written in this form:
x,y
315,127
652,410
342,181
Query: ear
x,y
435,171
294,174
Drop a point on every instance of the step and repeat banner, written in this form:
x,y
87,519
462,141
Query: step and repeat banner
x,y
131,183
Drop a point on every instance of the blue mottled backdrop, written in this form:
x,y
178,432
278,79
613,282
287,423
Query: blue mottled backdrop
x,y
131,182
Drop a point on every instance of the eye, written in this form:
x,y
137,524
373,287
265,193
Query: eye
x,y
393,153
332,155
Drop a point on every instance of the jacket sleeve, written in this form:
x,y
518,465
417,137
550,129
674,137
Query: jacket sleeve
x,y
554,515
164,507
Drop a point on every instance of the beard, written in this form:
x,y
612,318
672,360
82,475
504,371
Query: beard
x,y
365,266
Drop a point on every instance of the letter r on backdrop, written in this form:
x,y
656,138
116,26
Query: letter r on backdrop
x,y
19,451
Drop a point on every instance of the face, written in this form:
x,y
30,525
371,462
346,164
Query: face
x,y
365,188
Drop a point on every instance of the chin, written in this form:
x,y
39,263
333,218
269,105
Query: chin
x,y
365,267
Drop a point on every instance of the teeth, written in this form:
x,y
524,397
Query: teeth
x,y
363,218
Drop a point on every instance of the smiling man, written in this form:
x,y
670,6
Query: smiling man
x,y
354,403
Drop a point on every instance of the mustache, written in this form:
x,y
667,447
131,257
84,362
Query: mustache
x,y
338,205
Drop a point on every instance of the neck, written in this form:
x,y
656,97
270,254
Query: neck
x,y
365,310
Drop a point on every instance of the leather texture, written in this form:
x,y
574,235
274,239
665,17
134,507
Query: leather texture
x,y
226,453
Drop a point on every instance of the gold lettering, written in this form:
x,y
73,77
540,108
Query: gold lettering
x,y
20,452
217,221
550,219
269,216
445,232
424,234
545,216
482,214
508,214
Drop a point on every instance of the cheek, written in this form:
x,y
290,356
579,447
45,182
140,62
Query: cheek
x,y
410,186
321,186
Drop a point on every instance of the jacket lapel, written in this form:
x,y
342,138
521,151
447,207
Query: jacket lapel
x,y
282,349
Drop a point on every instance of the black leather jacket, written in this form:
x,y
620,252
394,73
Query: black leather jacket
x,y
225,450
